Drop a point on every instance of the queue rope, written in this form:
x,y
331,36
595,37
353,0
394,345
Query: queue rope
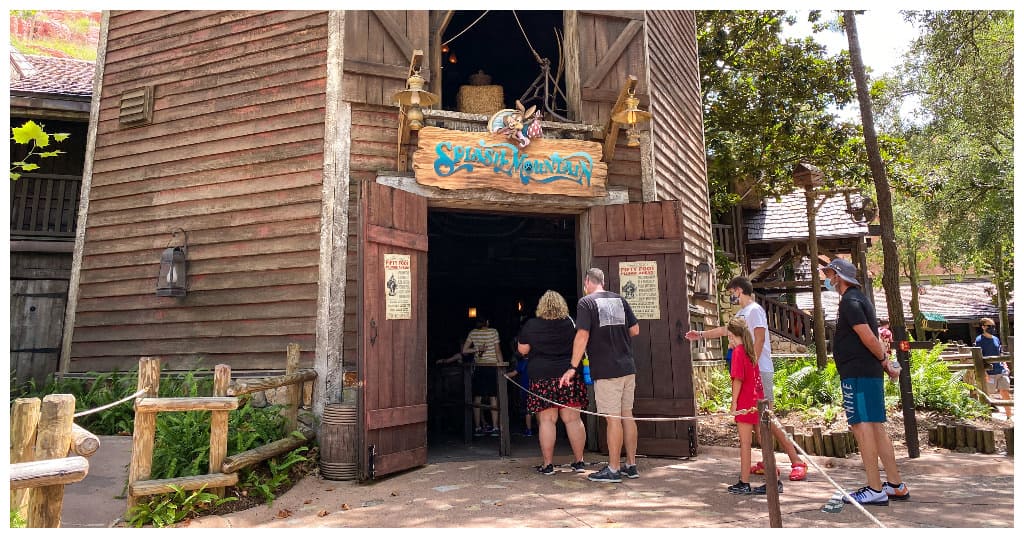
x,y
777,424
112,404
644,419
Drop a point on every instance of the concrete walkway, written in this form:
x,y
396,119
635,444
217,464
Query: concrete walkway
x,y
474,488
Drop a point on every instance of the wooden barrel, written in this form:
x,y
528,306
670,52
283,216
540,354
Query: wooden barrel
x,y
338,442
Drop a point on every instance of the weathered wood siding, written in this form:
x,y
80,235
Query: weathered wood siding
x,y
611,47
677,127
234,155
39,293
378,47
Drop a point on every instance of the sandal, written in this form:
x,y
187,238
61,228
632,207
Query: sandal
x,y
799,472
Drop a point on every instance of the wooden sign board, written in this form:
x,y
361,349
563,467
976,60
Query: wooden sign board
x,y
462,160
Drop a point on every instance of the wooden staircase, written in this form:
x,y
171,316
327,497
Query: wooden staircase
x,y
790,322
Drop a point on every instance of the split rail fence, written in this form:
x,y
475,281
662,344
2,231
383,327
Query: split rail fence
x,y
48,451
223,469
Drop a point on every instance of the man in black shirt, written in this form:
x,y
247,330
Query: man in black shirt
x,y
604,329
861,361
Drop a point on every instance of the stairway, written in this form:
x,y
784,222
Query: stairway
x,y
789,321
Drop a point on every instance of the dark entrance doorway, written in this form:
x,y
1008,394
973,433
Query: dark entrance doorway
x,y
499,265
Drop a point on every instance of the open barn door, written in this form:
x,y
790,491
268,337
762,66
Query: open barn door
x,y
393,330
650,233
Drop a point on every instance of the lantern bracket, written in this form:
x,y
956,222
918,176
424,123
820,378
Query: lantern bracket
x,y
403,123
174,235
611,135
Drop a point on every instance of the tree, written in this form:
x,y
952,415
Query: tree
x,y
767,105
890,268
961,67
35,136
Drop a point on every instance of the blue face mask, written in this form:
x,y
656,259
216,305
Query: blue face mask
x,y
828,285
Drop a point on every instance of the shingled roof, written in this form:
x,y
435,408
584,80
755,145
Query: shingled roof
x,y
785,219
59,76
956,301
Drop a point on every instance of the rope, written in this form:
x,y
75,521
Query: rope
x,y
528,44
109,405
467,28
797,446
644,419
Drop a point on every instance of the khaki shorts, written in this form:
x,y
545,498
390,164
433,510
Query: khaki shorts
x,y
615,396
1000,382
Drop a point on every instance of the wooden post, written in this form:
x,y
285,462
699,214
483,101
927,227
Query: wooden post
x,y
933,436
972,438
83,442
505,441
1008,435
219,424
826,446
24,419
961,437
770,479
145,427
53,437
980,377
989,437
293,392
467,398
819,442
839,444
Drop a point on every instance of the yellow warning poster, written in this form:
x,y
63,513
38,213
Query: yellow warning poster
x,y
397,286
638,285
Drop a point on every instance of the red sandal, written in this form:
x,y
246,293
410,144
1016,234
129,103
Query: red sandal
x,y
799,472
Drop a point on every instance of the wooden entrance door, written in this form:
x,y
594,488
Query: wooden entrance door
x,y
664,379
392,354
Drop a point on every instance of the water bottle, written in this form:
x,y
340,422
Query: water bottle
x,y
586,371
895,364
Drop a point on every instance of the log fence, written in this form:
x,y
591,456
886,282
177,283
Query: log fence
x,y
48,451
223,469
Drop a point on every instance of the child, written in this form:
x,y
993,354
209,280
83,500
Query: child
x,y
746,391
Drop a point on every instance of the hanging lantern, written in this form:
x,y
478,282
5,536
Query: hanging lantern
x,y
472,312
452,59
172,281
630,116
412,98
702,281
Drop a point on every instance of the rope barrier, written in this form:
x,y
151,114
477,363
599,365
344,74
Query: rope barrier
x,y
644,419
777,424
109,405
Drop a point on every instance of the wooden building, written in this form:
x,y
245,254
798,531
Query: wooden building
x,y
273,140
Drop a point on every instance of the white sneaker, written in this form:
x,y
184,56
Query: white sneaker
x,y
866,495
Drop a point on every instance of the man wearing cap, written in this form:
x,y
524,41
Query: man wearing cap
x,y
862,363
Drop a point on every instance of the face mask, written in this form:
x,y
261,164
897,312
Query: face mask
x,y
987,329
828,285
734,299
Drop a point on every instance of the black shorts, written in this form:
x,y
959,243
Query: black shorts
x,y
485,384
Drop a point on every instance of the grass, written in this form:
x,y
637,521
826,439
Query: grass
x,y
42,47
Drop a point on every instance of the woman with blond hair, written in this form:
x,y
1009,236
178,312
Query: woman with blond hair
x,y
547,341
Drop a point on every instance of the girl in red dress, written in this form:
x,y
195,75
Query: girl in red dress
x,y
746,391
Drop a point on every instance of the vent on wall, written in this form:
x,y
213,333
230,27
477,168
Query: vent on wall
x,y
136,107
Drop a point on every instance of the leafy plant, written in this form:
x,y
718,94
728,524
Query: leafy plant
x,y
719,393
168,509
937,388
34,135
266,483
17,522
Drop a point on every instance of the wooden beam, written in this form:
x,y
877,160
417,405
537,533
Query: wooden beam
x,y
772,261
239,388
608,96
188,483
265,452
613,54
635,15
375,69
394,32
637,247
395,416
55,472
153,405
83,442
612,130
491,200
396,238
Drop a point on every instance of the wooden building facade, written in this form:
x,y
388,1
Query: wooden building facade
x,y
273,140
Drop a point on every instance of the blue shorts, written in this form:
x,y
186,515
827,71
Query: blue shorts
x,y
863,399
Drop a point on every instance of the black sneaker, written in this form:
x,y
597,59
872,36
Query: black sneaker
x,y
496,432
546,469
739,488
763,489
478,432
630,471
605,475
579,467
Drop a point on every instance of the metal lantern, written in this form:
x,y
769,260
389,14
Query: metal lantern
x,y
630,116
172,281
702,281
412,98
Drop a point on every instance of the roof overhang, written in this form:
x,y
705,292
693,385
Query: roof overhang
x,y
50,106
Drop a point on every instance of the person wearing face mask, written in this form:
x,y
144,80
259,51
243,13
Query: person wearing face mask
x,y
861,362
999,374
741,292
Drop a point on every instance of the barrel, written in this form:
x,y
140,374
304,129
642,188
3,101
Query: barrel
x,y
338,442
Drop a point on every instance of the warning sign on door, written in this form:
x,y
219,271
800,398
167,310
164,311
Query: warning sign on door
x,y
397,286
638,282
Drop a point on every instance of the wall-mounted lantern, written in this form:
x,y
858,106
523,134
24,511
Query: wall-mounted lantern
x,y
630,116
472,312
413,98
701,281
172,281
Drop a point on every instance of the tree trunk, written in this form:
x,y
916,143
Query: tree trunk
x,y
819,313
1005,329
915,295
891,264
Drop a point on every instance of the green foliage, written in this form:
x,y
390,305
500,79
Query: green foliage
x,y
250,427
34,136
937,388
719,393
801,386
17,522
166,510
96,391
265,482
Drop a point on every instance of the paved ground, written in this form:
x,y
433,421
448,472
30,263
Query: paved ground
x,y
471,487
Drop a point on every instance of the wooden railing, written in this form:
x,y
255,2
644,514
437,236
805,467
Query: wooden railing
x,y
725,239
970,360
45,205
790,322
223,469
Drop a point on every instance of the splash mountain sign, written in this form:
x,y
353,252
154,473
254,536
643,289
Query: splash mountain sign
x,y
463,160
